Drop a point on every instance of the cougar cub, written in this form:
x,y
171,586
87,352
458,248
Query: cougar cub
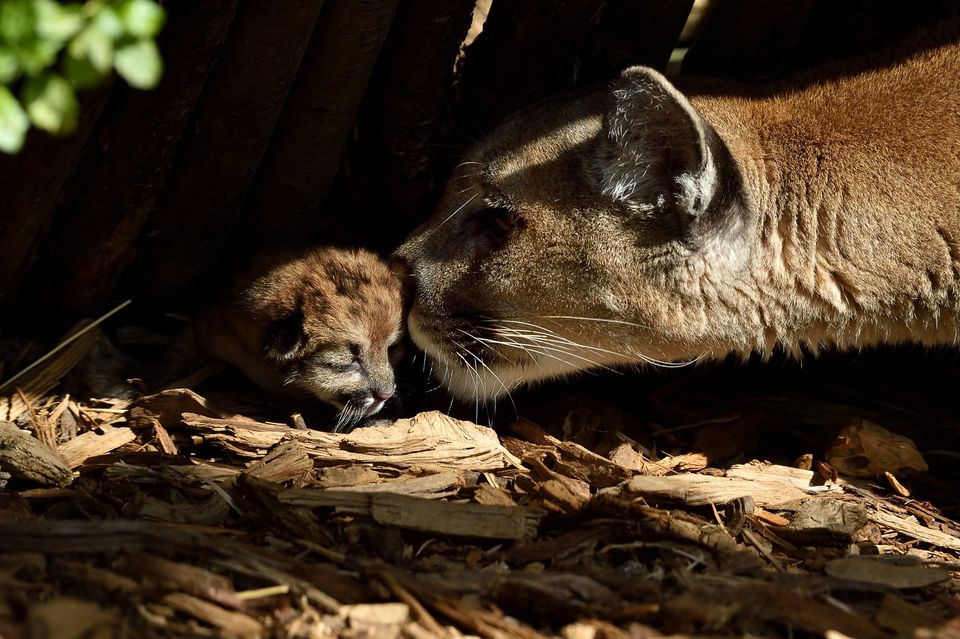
x,y
644,224
317,325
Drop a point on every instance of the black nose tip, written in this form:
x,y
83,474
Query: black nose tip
x,y
383,395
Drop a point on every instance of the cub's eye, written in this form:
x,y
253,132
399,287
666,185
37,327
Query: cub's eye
x,y
497,222
355,351
284,338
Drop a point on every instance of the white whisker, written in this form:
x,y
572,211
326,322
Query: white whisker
x,y
459,208
594,319
489,370
545,351
556,348
646,358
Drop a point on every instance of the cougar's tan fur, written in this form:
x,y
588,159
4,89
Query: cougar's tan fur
x,y
640,223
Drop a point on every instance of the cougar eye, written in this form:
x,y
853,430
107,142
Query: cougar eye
x,y
498,222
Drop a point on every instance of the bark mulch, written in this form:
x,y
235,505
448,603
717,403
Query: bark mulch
x,y
180,515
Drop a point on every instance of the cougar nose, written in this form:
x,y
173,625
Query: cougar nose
x,y
382,395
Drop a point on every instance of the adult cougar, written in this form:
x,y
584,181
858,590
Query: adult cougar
x,y
642,224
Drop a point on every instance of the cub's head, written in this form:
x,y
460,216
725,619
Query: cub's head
x,y
574,237
324,324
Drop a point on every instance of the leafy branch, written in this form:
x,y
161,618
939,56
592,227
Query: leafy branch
x,y
49,50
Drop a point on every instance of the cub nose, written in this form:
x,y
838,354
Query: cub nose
x,y
382,395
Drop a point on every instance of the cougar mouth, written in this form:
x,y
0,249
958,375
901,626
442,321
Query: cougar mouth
x,y
484,358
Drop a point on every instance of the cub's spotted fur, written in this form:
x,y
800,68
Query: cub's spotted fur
x,y
315,325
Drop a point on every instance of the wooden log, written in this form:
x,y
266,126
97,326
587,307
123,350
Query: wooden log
x,y
228,135
399,160
747,39
629,32
527,50
127,166
31,183
304,155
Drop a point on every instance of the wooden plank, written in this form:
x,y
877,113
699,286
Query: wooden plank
x,y
224,144
630,32
747,39
402,127
127,166
527,50
463,519
31,183
304,155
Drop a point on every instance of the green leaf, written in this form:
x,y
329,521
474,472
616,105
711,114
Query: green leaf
x,y
95,45
107,20
36,55
141,18
58,22
17,20
13,122
81,73
51,103
139,64
9,69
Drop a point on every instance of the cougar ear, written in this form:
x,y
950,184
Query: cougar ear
x,y
284,337
661,146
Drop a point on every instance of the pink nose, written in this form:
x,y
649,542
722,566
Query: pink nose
x,y
382,396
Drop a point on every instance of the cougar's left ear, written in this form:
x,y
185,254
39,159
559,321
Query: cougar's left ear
x,y
661,146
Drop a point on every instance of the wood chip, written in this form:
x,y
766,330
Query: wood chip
x,y
895,484
25,457
230,622
905,618
93,443
428,439
768,517
166,407
492,496
448,518
386,614
434,486
865,449
287,461
886,571
157,573
70,618
825,521
911,528
770,486
166,442
36,381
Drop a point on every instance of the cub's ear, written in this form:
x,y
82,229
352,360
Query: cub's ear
x,y
284,337
660,147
